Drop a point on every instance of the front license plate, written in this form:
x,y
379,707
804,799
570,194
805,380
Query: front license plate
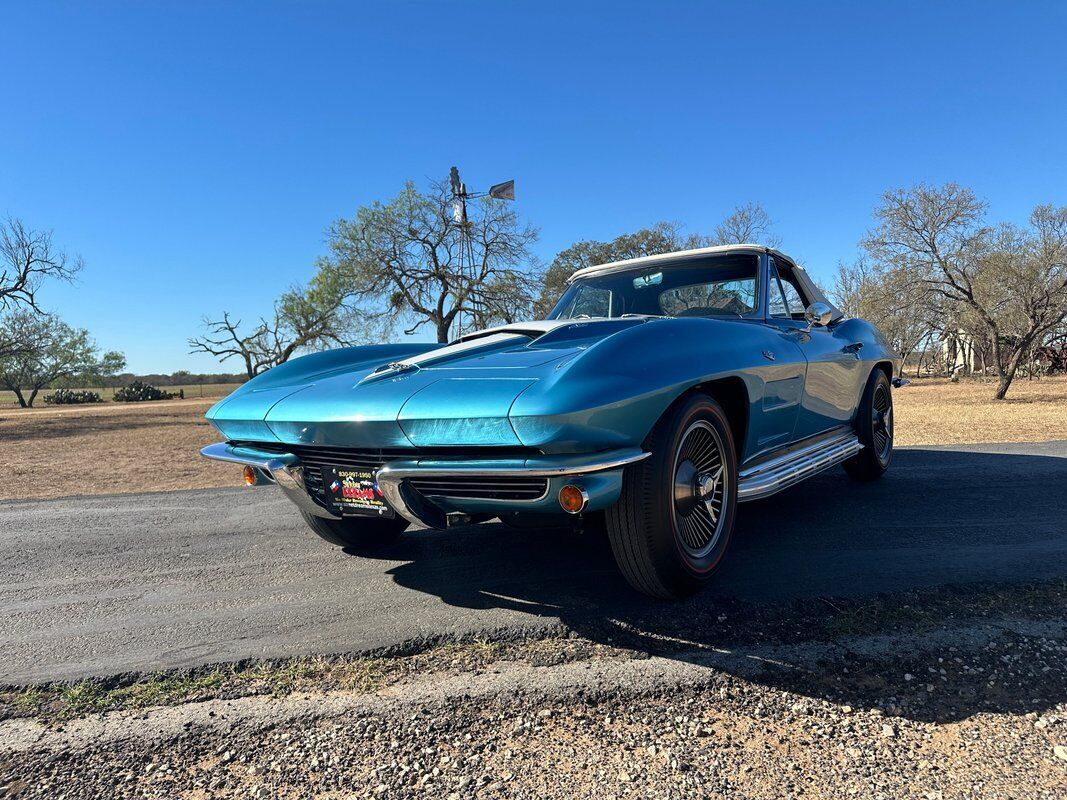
x,y
355,491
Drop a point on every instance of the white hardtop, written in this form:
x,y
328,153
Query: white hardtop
x,y
666,259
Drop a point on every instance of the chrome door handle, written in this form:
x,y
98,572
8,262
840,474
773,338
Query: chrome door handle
x,y
855,347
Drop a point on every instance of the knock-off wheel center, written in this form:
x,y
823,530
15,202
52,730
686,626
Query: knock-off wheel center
x,y
692,486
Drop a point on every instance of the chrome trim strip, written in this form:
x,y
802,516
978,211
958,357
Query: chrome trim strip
x,y
270,462
532,467
459,347
780,473
391,477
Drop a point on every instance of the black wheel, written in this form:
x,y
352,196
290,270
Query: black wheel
x,y
874,426
673,521
357,534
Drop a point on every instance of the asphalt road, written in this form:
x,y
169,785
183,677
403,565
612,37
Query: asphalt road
x,y
104,585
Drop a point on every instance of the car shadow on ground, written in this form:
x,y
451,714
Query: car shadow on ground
x,y
942,534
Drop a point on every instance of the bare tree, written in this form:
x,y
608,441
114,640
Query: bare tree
x,y
224,340
28,258
302,320
748,223
404,260
906,311
1013,280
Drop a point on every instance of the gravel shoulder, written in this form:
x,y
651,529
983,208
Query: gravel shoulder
x,y
947,693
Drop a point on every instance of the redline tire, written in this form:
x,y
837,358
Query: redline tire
x,y
662,549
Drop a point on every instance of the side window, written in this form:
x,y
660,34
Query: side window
x,y
591,301
792,297
776,303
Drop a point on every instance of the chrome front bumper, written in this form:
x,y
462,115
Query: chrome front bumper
x,y
285,470
282,469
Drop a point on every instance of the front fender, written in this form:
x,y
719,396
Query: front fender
x,y
611,394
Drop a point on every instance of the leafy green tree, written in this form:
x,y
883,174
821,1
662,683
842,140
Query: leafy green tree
x,y
411,262
54,352
662,237
106,370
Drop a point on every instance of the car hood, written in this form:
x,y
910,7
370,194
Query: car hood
x,y
458,394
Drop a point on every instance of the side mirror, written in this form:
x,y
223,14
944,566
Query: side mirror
x,y
818,314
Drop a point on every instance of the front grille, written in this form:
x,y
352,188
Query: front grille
x,y
316,486
481,487
471,487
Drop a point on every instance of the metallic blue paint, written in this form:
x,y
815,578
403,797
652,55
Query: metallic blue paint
x,y
569,386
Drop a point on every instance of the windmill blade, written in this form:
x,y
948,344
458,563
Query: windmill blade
x,y
503,191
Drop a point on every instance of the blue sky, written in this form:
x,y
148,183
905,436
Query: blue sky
x,y
193,153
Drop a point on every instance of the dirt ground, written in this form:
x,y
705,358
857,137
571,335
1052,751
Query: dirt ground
x,y
108,449
114,448
935,411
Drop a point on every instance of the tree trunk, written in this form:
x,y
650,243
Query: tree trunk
x,y
33,396
1005,382
1008,375
19,397
998,357
903,361
442,331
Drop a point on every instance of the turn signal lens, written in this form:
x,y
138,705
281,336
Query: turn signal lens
x,y
250,476
573,498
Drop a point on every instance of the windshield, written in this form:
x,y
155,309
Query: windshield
x,y
717,286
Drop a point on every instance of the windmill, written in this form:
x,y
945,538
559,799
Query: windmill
x,y
460,196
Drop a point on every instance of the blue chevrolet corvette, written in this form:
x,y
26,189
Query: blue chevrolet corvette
x,y
659,394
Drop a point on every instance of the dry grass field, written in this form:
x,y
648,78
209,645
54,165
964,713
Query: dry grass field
x,y
192,390
107,448
113,448
935,411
